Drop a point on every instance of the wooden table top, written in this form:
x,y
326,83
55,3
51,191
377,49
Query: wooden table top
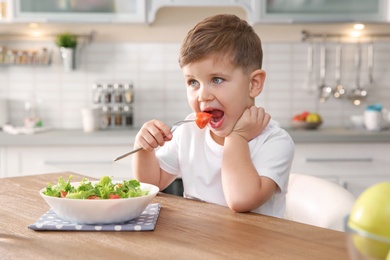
x,y
185,228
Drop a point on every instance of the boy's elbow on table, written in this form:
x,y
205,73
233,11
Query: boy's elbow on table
x,y
240,206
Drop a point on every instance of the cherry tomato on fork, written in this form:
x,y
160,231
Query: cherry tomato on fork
x,y
202,119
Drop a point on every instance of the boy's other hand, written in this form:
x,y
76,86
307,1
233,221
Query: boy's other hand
x,y
251,123
152,134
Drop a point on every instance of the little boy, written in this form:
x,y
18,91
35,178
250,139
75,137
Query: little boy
x,y
242,159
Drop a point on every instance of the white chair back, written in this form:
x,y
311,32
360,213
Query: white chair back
x,y
319,202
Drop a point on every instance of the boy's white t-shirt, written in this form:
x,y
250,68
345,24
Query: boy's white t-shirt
x,y
194,156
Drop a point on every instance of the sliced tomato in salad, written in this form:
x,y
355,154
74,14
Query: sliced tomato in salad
x,y
63,194
114,196
202,119
94,197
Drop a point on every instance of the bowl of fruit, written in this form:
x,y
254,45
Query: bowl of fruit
x,y
367,228
306,120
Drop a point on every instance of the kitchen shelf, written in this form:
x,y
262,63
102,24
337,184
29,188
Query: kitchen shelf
x,y
307,36
25,57
26,65
41,58
87,38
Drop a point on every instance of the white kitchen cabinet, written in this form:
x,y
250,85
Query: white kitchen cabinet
x,y
290,11
356,166
144,11
92,161
154,5
105,11
357,184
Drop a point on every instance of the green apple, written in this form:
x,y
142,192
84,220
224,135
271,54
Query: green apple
x,y
371,213
313,118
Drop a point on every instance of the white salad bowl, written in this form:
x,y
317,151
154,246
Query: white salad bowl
x,y
103,211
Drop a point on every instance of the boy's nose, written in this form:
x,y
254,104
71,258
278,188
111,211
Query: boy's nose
x,y
204,94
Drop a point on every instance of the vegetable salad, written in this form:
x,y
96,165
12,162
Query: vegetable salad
x,y
104,189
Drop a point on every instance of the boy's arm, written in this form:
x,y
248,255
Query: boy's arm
x,y
146,167
243,188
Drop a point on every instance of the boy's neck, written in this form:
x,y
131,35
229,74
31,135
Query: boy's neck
x,y
218,139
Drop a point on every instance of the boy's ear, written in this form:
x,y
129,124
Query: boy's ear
x,y
256,83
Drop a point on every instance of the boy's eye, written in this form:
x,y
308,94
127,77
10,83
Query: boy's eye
x,y
193,83
217,80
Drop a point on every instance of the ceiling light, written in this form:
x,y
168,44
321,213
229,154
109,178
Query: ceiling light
x,y
36,33
355,34
358,26
33,25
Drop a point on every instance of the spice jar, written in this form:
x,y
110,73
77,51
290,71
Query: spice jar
x,y
117,115
106,120
31,56
128,115
10,57
106,93
96,93
128,93
117,93
44,56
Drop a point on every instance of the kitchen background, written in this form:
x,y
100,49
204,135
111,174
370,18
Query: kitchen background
x,y
146,56
141,47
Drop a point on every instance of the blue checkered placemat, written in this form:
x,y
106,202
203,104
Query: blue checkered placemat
x,y
145,222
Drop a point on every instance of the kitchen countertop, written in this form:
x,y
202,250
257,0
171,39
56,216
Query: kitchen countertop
x,y
339,135
57,137
67,137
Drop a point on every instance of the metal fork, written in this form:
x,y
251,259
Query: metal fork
x,y
173,128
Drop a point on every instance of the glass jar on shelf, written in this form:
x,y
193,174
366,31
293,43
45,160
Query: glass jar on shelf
x,y
106,117
10,58
44,56
118,92
97,93
106,93
117,113
32,117
128,115
19,57
128,93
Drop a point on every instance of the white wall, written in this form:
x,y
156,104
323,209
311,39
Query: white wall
x,y
159,86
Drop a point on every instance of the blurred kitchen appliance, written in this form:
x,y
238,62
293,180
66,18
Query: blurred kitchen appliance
x,y
376,118
91,119
116,103
3,112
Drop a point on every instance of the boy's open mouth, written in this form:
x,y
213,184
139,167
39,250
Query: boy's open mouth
x,y
217,115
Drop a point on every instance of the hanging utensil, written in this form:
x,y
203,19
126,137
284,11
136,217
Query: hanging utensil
x,y
339,90
309,81
370,65
358,94
325,91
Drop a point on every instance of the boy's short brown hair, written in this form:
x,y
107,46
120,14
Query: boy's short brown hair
x,y
223,34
